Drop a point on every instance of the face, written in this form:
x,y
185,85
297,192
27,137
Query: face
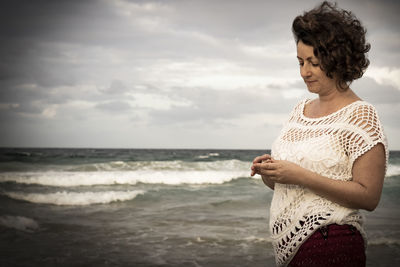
x,y
310,70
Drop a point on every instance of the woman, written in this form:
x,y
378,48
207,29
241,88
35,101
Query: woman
x,y
330,158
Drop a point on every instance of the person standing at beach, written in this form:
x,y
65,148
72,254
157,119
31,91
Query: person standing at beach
x,y
330,158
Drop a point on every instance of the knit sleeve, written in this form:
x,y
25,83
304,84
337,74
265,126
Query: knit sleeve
x,y
365,132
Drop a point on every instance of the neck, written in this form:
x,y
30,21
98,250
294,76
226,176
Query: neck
x,y
334,96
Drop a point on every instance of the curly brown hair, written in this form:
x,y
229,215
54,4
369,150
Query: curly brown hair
x,y
338,39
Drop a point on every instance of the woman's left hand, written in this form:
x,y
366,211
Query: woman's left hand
x,y
279,171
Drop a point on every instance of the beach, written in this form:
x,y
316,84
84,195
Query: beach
x,y
153,207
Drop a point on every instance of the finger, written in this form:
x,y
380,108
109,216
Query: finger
x,y
257,159
266,157
253,171
272,174
269,175
262,168
268,165
273,165
260,165
255,167
261,158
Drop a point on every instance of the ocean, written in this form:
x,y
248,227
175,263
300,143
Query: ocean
x,y
153,207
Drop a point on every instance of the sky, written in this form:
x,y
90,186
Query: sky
x,y
202,74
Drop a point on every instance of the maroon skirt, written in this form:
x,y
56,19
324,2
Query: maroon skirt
x,y
332,245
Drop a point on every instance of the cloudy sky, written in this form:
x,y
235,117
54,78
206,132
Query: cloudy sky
x,y
170,74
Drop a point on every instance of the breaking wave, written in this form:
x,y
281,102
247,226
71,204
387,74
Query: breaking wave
x,y
19,222
393,170
68,179
75,198
148,172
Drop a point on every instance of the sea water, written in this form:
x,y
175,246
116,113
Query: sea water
x,y
131,207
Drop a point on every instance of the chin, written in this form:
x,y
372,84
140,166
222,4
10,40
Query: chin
x,y
312,90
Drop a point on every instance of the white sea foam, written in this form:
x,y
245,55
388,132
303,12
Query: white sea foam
x,y
174,165
75,198
257,239
20,223
393,170
384,241
150,172
68,179
208,155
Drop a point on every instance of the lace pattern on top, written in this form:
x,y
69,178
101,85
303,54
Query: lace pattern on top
x,y
328,146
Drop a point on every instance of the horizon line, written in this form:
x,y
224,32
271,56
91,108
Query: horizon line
x,y
141,148
138,148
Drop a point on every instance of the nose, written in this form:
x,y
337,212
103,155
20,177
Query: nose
x,y
305,70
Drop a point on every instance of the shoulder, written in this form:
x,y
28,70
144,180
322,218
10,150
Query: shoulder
x,y
366,125
365,131
362,113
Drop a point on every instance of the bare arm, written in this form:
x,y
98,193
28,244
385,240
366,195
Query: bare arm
x,y
363,192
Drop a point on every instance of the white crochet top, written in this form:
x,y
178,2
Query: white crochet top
x,y
329,146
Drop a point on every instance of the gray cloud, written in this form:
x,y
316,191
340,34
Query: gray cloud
x,y
114,106
369,89
116,88
70,66
210,105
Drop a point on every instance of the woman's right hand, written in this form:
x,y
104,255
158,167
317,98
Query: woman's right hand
x,y
260,159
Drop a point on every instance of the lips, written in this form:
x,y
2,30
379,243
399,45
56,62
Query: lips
x,y
310,82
